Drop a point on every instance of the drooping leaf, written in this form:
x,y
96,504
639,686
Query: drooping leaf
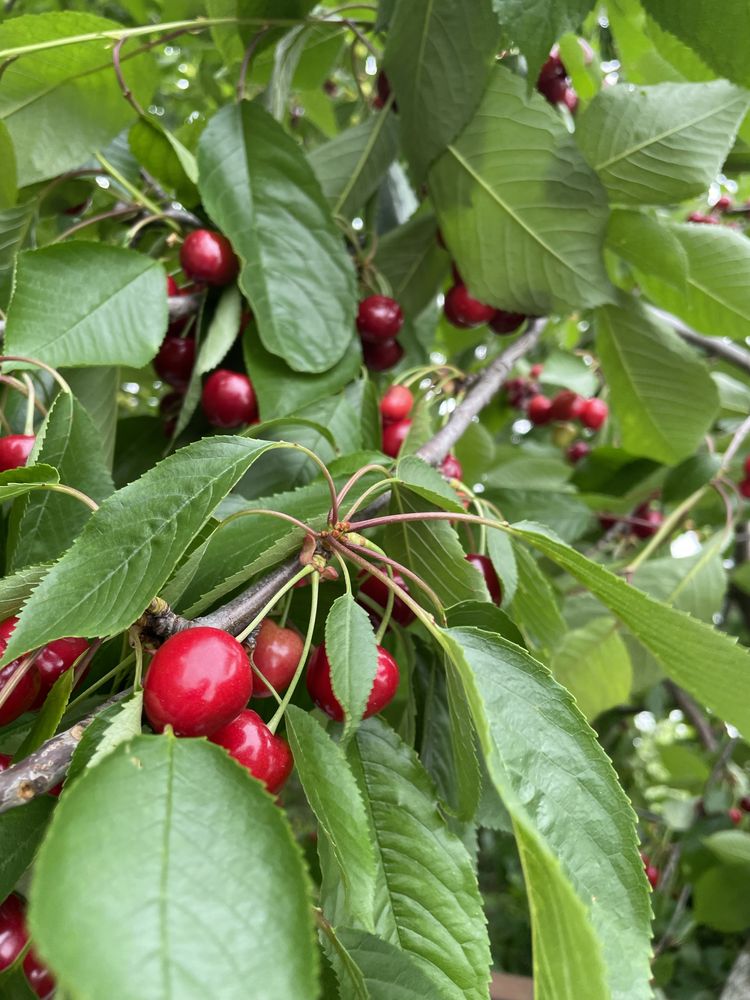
x,y
352,653
536,27
413,262
21,832
427,483
535,605
258,187
546,229
731,846
500,551
60,314
202,889
17,482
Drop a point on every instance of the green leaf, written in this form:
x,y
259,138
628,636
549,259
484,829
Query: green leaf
x,y
16,588
21,832
69,95
682,644
659,145
535,27
48,719
350,166
387,972
547,231
721,899
352,653
8,185
648,245
201,890
438,58
16,482
427,900
258,187
14,984
413,262
593,664
112,727
60,314
573,824
500,551
427,483
661,392
232,39
732,846
535,606
131,545
49,522
335,799
165,158
15,224
690,475
717,298
96,389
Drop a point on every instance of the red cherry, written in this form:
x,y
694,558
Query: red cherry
x,y
735,816
6,631
722,204
384,91
539,410
228,399
198,681
208,256
175,360
744,488
464,311
577,451
593,413
536,370
706,220
276,655
172,286
23,695
394,436
517,390
377,591
40,979
383,356
252,744
15,450
554,88
553,67
746,466
13,933
485,567
652,874
649,521
506,322
570,100
170,404
566,405
745,803
396,404
451,468
379,318
608,521
57,657
5,761
383,689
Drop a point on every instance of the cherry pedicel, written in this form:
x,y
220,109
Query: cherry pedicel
x,y
451,468
228,399
394,436
396,404
207,256
15,450
198,681
464,311
381,356
593,413
175,360
249,740
538,410
379,318
383,689
506,322
485,567
377,591
276,655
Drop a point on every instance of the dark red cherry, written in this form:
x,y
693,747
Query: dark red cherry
x,y
485,567
15,450
23,695
379,318
570,100
576,451
383,689
198,681
608,521
744,488
451,468
172,287
554,88
13,933
722,204
377,591
383,356
394,436
647,521
207,256
464,311
175,360
518,391
57,657
706,220
170,405
276,655
735,816
746,466
539,410
228,399
384,91
745,803
40,979
652,874
249,740
506,322
566,405
593,413
396,404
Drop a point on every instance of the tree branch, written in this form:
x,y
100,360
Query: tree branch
x,y
737,986
719,347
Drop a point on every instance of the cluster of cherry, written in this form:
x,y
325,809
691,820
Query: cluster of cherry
x,y
379,322
14,937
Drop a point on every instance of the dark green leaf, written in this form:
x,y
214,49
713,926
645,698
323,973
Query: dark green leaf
x,y
8,185
536,26
593,664
352,653
113,726
165,158
16,588
649,245
16,482
15,224
21,832
413,262
96,389
721,898
48,719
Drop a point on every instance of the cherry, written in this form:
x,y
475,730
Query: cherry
x,y
396,404
377,591
383,689
706,220
383,86
198,681
552,82
506,322
744,488
379,318
577,451
746,466
485,567
653,874
570,100
228,399
13,933
382,356
735,816
566,405
40,979
15,450
517,390
593,413
536,370
249,740
650,521
276,655
745,803
172,287
175,360
170,404
464,311
722,204
451,468
539,410
394,436
208,256
23,695
57,657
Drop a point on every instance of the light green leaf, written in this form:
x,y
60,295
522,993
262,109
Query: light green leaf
x,y
60,314
648,245
258,187
534,200
16,482
574,826
500,551
165,158
535,605
16,588
535,27
115,725
661,392
387,972
15,224
427,482
335,799
721,898
96,389
352,653
413,262
48,719
695,584
732,846
201,891
21,832
593,664
659,145
8,185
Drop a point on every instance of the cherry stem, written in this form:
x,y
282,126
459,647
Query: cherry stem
x,y
37,364
30,399
135,641
18,675
285,609
333,514
305,571
118,669
19,386
69,491
279,713
370,491
240,92
319,462
268,684
114,213
344,573
667,527
135,194
127,93
371,549
82,662
427,515
735,444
